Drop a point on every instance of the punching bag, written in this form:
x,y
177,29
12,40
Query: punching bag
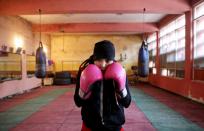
x,y
143,60
40,71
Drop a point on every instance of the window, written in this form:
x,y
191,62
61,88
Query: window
x,y
172,48
198,47
152,53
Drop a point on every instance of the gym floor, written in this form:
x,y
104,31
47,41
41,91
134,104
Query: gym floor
x,y
51,108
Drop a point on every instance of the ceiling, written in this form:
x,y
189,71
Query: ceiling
x,y
95,16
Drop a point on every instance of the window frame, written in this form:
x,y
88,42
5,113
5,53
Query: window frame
x,y
153,50
169,31
195,68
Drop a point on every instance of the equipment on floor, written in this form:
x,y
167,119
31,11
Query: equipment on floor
x,y
62,78
143,60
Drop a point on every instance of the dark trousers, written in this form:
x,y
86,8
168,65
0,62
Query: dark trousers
x,y
84,128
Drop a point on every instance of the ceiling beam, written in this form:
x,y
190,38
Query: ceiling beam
x,y
195,2
96,27
167,19
23,7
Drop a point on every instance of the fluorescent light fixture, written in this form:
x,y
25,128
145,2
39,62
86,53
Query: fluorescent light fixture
x,y
18,41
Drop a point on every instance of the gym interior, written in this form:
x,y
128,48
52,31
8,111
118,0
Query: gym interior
x,y
170,97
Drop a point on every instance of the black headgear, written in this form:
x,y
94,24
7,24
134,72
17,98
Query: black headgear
x,y
104,49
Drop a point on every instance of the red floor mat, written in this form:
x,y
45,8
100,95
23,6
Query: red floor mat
x,y
63,115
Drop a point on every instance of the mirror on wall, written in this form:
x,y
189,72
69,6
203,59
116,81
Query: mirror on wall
x,y
10,66
30,65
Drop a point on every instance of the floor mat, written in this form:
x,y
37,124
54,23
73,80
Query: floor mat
x,y
161,116
16,115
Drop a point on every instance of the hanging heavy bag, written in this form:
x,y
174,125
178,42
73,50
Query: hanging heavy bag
x,y
40,71
143,61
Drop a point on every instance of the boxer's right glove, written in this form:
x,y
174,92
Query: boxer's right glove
x,y
89,76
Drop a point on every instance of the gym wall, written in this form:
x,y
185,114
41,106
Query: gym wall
x,y
14,31
78,48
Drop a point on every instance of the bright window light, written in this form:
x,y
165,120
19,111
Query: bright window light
x,y
164,72
154,71
45,49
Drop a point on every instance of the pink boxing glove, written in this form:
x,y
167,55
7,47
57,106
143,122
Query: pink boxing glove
x,y
116,72
89,75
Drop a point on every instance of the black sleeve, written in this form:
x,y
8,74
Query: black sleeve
x,y
126,100
78,101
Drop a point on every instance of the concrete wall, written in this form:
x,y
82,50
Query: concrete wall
x,y
78,48
11,87
14,31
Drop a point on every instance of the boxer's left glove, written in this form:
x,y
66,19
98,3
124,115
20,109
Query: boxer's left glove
x,y
116,72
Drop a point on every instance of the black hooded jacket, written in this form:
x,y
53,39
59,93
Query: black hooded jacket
x,y
103,110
